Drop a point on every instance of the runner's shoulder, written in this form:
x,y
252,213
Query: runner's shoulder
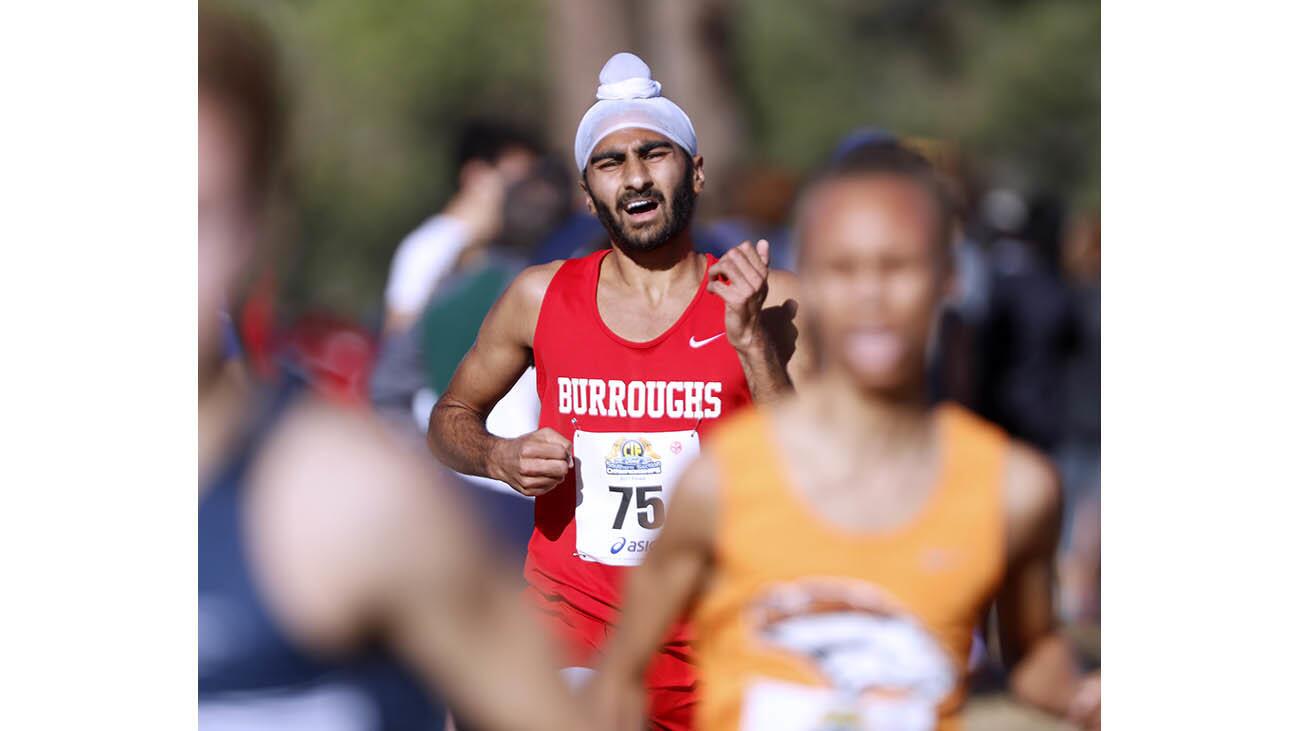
x,y
1032,496
529,287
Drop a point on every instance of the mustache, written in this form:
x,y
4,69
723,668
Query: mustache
x,y
652,194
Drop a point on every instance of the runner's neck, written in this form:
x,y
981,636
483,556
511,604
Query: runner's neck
x,y
656,273
885,422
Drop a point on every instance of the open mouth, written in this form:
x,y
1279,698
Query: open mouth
x,y
641,207
875,348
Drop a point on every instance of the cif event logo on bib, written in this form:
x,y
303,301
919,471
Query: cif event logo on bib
x,y
633,456
624,485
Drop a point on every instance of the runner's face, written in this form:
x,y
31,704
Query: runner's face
x,y
226,223
872,277
640,185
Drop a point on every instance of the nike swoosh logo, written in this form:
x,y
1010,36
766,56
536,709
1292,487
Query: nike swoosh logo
x,y
701,343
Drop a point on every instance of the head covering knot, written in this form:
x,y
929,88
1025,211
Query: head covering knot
x,y
629,97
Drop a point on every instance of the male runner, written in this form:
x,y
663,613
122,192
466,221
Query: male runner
x,y
837,550
338,580
639,350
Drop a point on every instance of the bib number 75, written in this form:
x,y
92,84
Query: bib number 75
x,y
650,509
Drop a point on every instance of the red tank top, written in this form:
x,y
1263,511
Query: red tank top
x,y
689,377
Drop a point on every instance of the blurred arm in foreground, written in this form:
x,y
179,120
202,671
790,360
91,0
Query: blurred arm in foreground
x,y
362,539
675,574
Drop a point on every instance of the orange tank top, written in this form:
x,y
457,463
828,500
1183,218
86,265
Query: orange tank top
x,y
811,626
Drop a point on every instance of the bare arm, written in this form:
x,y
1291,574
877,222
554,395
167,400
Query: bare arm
x,y
1043,668
364,540
452,614
675,571
458,435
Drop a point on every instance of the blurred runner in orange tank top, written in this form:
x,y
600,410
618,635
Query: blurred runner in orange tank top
x,y
836,551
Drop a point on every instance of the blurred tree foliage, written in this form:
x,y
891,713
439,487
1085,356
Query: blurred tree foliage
x,y
1016,82
379,90
381,87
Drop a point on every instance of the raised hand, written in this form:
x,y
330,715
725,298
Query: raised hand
x,y
740,279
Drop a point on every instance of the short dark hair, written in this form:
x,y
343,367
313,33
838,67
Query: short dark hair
x,y
487,140
238,69
891,158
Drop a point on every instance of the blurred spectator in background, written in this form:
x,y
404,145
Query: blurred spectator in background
x,y
1079,456
490,158
579,233
1039,358
1028,327
757,205
338,580
444,270
1021,345
513,203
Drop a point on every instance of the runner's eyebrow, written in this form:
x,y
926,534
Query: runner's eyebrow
x,y
607,155
648,147
642,150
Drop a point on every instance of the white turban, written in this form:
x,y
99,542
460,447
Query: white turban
x,y
628,97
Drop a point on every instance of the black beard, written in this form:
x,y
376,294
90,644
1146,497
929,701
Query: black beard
x,y
679,217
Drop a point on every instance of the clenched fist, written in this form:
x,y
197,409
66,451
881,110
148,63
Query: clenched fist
x,y
533,464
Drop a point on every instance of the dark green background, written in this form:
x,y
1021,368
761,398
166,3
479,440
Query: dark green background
x,y
380,87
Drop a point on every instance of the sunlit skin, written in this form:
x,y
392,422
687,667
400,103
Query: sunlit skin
x,y
631,165
873,275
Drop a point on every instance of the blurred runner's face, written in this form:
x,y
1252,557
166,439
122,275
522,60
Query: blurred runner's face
x,y
226,224
638,184
872,277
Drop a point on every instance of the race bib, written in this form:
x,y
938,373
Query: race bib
x,y
625,480
773,705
